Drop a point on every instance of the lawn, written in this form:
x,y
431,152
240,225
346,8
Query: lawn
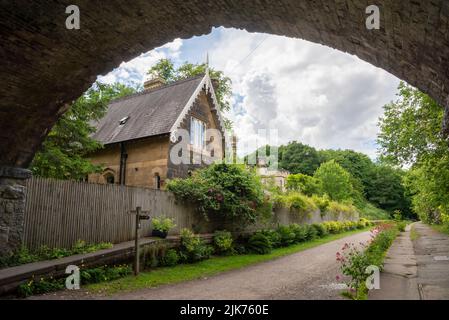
x,y
206,268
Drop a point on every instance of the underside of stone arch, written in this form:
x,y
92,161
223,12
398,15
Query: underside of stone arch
x,y
46,66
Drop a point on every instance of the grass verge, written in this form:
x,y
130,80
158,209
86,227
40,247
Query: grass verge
x,y
206,268
414,235
443,228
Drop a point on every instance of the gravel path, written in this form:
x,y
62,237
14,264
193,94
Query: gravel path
x,y
309,274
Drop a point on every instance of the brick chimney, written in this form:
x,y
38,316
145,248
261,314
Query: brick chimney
x,y
153,83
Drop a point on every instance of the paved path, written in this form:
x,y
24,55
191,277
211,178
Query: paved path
x,y
308,274
418,269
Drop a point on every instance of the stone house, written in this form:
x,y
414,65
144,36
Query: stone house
x,y
140,131
277,177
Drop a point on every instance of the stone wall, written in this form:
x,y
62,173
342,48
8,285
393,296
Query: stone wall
x,y
12,208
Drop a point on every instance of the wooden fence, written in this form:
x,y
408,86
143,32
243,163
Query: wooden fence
x,y
58,213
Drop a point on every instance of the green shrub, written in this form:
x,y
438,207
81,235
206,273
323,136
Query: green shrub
x,y
259,243
321,230
225,190
337,208
300,232
192,248
286,235
223,242
295,202
321,202
401,225
303,183
171,258
273,236
311,232
163,224
24,256
104,273
94,275
41,286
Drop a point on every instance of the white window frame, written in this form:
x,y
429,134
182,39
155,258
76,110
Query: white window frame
x,y
197,133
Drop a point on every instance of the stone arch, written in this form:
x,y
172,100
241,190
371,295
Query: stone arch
x,y
46,66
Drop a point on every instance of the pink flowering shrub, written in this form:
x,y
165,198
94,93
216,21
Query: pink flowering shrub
x,y
354,259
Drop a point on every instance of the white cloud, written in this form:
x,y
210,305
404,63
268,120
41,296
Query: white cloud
x,y
134,71
308,92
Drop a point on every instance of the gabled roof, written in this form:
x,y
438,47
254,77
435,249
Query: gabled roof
x,y
151,112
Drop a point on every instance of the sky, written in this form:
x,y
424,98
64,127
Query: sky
x,y
297,89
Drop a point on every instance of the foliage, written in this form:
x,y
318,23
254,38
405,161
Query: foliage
x,y
192,248
205,268
336,208
223,242
386,190
371,212
87,276
321,230
226,190
295,201
411,136
223,90
171,258
40,286
321,202
24,256
303,183
286,234
379,183
64,150
354,259
104,273
259,243
300,231
163,224
299,158
335,180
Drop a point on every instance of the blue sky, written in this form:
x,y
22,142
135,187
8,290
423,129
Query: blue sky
x,y
304,91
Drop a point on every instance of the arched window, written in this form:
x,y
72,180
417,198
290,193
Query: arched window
x,y
157,180
109,176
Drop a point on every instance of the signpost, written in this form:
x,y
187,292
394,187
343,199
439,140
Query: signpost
x,y
140,215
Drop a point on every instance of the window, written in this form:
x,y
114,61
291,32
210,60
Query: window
x,y
109,177
157,181
197,133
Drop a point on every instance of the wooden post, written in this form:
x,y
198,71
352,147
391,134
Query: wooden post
x,y
136,245
139,217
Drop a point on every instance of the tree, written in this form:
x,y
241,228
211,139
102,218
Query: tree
x,y
167,71
385,189
299,158
411,136
304,183
410,129
335,181
62,155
